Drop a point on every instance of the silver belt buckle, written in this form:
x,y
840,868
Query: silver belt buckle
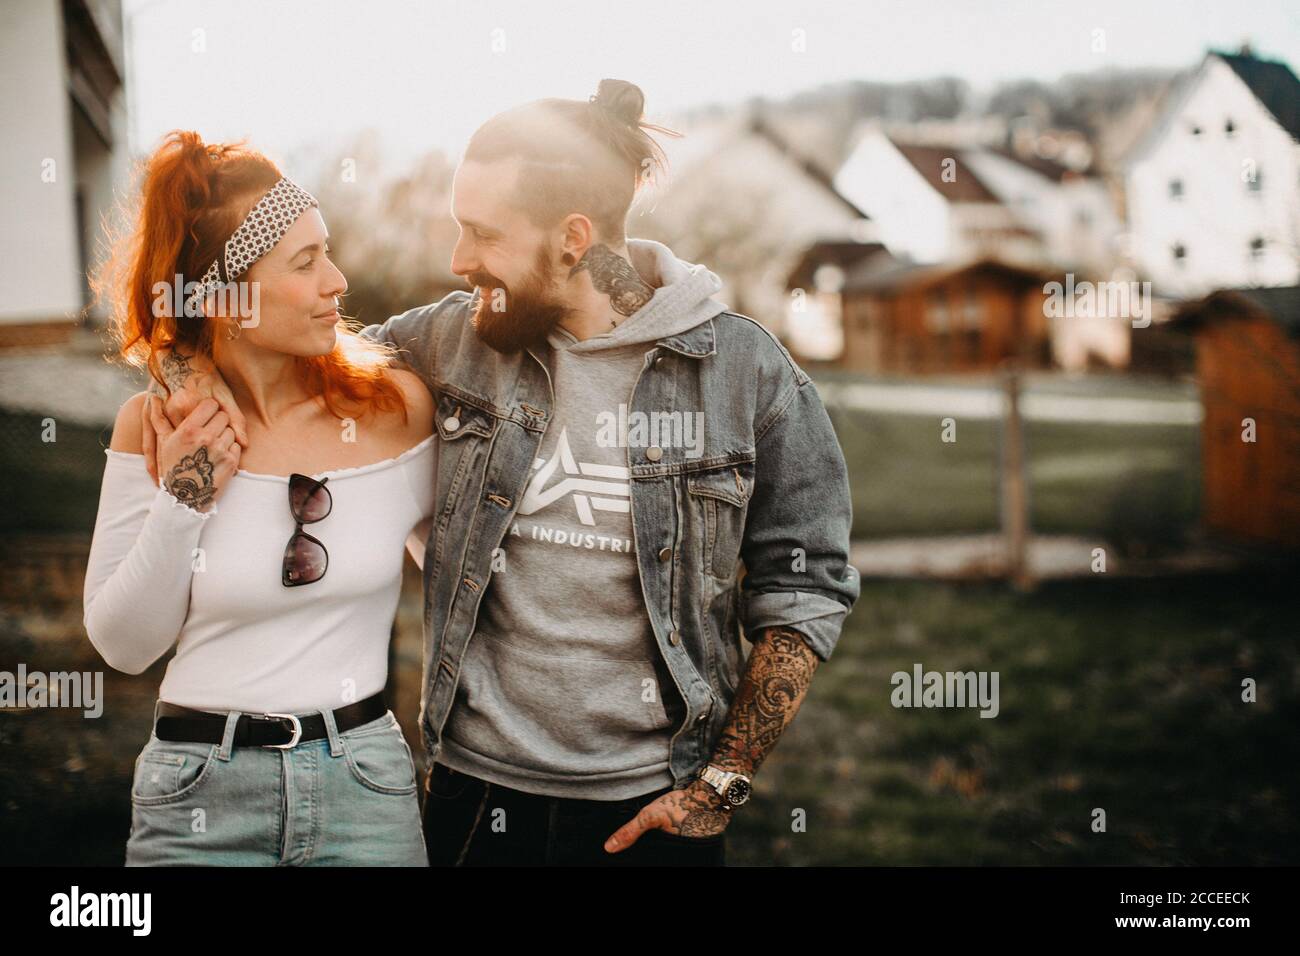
x,y
297,732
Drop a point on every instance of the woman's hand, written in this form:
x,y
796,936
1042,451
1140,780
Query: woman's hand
x,y
197,458
191,379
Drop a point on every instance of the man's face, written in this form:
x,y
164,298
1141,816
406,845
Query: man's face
x,y
506,258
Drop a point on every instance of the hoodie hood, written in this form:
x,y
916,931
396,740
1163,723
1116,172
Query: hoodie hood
x,y
683,298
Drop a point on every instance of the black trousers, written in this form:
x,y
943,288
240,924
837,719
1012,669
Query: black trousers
x,y
471,822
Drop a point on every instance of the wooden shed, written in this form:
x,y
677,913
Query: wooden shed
x,y
944,318
1248,363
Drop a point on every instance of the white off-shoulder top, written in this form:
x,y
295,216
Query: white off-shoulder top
x,y
162,574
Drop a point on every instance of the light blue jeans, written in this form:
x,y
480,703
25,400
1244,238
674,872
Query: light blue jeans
x,y
346,800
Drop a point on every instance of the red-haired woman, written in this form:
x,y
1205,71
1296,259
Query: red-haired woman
x,y
271,561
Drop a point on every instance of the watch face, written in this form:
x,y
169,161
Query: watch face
x,y
738,792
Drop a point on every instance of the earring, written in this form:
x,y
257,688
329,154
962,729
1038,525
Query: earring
x,y
233,331
567,258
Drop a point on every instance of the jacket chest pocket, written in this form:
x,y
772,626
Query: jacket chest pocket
x,y
462,429
721,498
457,420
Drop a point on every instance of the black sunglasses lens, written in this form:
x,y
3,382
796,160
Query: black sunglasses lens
x,y
305,560
309,500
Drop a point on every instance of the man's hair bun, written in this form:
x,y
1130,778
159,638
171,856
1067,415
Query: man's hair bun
x,y
620,99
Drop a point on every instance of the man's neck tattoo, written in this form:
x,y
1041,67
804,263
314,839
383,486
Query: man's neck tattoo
x,y
612,275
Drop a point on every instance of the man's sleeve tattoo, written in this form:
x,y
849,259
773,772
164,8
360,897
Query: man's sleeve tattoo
x,y
702,814
776,678
615,277
190,480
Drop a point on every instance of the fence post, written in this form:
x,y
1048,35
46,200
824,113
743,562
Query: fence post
x,y
1014,483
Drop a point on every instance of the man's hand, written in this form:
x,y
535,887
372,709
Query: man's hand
x,y
191,378
693,811
776,679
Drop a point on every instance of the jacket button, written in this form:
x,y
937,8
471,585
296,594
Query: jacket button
x,y
659,360
665,554
703,717
654,452
451,424
674,638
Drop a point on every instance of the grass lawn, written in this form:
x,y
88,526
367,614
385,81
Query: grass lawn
x,y
1123,695
50,486
1119,694
1137,484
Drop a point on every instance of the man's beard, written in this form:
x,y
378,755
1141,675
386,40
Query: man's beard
x,y
528,313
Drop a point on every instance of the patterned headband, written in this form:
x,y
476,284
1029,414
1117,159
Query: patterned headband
x,y
257,235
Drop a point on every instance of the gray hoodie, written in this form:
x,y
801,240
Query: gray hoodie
x,y
562,690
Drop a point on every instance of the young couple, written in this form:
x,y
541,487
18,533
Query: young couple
x,y
580,455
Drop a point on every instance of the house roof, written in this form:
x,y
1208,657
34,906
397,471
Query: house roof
x,y
1279,303
1049,168
842,253
1273,84
760,127
914,276
930,162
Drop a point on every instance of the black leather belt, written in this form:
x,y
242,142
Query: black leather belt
x,y
262,730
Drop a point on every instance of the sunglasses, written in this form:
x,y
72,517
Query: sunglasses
x,y
305,558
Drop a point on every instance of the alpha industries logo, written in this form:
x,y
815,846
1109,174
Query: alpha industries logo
x,y
593,487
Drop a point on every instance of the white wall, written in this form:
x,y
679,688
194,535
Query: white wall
x,y
983,230
39,268
104,175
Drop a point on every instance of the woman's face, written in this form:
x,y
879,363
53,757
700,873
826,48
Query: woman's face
x,y
295,288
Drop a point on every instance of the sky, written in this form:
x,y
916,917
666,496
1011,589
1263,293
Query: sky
x,y
297,75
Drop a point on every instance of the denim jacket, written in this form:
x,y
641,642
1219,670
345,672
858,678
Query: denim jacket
x,y
770,490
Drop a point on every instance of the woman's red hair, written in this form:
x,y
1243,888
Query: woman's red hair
x,y
192,197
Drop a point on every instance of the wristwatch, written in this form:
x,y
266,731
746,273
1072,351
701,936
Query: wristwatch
x,y
734,788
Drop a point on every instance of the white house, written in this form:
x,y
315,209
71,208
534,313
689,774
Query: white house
x,y
928,204
937,204
1072,211
746,199
1212,192
61,97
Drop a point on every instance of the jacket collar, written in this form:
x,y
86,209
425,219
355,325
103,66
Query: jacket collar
x,y
696,342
